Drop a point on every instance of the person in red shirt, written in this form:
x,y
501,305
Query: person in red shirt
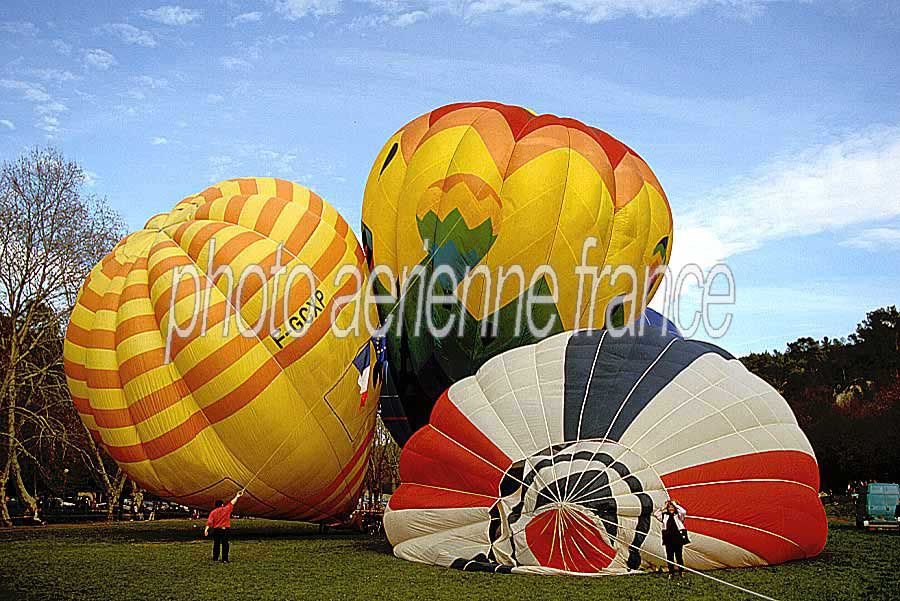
x,y
220,521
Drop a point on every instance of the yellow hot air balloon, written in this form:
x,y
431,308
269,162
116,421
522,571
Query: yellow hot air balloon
x,y
201,353
499,188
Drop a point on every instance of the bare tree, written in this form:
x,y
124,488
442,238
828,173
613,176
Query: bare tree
x,y
109,476
51,235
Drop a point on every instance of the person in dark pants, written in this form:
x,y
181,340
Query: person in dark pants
x,y
672,517
220,521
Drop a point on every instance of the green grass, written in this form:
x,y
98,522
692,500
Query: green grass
x,y
164,560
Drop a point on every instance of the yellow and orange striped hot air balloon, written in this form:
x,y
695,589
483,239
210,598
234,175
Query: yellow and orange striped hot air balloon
x,y
201,367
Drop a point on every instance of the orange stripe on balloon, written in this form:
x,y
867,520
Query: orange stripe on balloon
x,y
325,493
234,208
252,285
201,238
349,494
515,116
421,496
168,264
82,405
188,430
78,335
193,379
247,185
284,189
186,288
301,234
341,228
152,404
134,326
412,135
297,347
766,503
490,125
73,370
211,194
269,215
234,247
89,299
102,379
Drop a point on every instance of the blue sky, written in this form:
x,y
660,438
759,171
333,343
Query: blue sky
x,y
773,126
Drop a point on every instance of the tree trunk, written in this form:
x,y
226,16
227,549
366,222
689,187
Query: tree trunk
x,y
7,464
114,493
29,500
5,519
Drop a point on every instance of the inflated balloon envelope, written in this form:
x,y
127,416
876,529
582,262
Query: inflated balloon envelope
x,y
196,415
485,185
553,457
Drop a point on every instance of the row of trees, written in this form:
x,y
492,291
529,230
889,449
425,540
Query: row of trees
x,y
846,396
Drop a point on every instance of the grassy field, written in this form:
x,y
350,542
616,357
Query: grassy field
x,y
276,560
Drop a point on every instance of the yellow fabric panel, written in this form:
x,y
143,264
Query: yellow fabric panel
x,y
430,163
380,203
559,183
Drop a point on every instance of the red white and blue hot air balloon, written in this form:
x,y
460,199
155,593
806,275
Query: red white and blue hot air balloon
x,y
553,457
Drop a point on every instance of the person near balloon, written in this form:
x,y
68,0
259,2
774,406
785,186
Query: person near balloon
x,y
220,522
674,534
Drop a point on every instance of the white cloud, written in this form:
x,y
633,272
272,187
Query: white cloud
x,y
403,19
50,108
234,64
98,59
90,178
297,9
595,11
402,13
7,124
172,15
30,91
48,123
158,141
826,188
19,28
251,17
215,98
48,119
45,108
154,83
131,34
57,75
875,239
409,18
255,158
220,166
61,47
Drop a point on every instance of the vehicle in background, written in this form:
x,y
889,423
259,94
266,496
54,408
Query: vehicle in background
x,y
875,506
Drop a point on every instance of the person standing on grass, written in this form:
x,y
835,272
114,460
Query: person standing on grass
x,y
673,534
220,521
